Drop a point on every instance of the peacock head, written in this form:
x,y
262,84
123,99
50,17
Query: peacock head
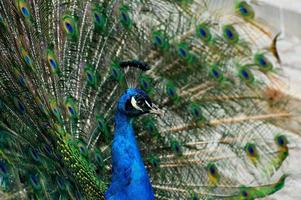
x,y
135,102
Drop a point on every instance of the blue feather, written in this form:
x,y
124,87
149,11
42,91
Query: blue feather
x,y
130,179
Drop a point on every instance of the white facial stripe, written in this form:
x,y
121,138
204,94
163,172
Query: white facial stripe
x,y
148,104
134,104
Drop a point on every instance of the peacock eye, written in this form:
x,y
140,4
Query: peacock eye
x,y
140,102
137,102
128,105
245,193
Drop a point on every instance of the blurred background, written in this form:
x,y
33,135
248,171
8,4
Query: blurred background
x,y
285,17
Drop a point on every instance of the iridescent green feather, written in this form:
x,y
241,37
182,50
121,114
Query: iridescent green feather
x,y
246,74
124,17
91,76
53,62
56,110
230,34
146,83
70,26
176,147
196,111
71,108
160,40
184,53
102,126
249,193
252,152
213,174
99,18
171,91
245,10
204,33
216,73
24,8
263,62
27,59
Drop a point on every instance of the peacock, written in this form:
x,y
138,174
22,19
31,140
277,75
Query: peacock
x,y
140,100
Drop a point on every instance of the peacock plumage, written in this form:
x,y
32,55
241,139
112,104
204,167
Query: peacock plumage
x,y
79,77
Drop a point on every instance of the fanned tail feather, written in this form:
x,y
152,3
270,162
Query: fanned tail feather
x,y
61,75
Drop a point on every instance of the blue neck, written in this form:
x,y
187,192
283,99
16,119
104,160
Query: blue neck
x,y
124,131
121,122
129,177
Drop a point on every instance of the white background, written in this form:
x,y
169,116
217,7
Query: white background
x,y
285,16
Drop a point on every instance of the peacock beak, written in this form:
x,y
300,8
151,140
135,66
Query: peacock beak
x,y
154,109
